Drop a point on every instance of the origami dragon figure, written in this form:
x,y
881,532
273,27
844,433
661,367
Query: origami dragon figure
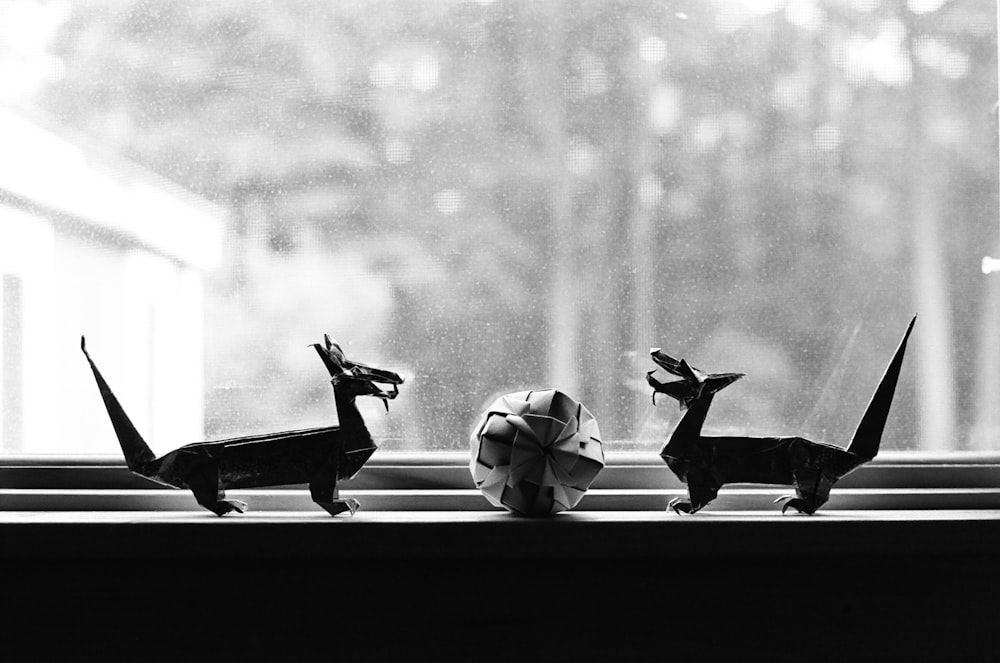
x,y
706,463
317,456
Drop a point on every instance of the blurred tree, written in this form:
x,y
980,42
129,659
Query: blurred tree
x,y
544,190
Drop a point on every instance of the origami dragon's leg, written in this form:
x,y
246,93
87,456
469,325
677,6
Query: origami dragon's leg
x,y
812,489
702,489
680,505
203,480
323,489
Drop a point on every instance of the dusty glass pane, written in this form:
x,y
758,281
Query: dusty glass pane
x,y
492,196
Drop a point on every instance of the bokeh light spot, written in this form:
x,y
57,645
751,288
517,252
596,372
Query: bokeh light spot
x,y
653,50
449,201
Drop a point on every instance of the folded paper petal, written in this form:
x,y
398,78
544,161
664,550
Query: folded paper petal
x,y
479,471
541,401
512,403
544,427
526,467
522,426
494,484
570,430
592,449
498,427
493,452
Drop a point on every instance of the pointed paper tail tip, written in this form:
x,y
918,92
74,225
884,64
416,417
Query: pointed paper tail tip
x,y
868,436
83,347
137,453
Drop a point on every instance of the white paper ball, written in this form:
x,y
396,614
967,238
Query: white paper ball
x,y
536,452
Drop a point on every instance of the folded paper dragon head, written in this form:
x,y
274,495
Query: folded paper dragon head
x,y
351,378
693,383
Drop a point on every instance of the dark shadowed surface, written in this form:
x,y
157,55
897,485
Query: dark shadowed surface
x,y
392,586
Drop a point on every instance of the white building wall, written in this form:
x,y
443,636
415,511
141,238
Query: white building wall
x,y
124,266
163,348
88,304
142,316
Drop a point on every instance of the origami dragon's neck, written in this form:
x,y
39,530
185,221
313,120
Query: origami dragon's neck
x,y
350,417
688,429
347,408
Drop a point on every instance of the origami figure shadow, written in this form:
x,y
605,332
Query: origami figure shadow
x,y
317,456
706,463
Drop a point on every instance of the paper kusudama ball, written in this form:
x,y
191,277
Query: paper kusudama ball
x,y
536,452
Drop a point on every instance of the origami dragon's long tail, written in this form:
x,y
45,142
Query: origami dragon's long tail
x,y
868,435
137,452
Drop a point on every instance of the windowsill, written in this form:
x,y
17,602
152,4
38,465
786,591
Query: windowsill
x,y
424,504
440,481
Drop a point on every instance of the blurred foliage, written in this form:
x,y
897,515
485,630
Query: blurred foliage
x,y
743,181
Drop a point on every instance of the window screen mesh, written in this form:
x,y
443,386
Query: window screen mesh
x,y
493,196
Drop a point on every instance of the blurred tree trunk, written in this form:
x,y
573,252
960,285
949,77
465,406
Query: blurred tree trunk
x,y
985,433
935,366
933,340
643,244
562,310
641,81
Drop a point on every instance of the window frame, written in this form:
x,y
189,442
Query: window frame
x,y
441,481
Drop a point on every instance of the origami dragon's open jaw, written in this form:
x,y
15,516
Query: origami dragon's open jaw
x,y
365,381
355,378
693,383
